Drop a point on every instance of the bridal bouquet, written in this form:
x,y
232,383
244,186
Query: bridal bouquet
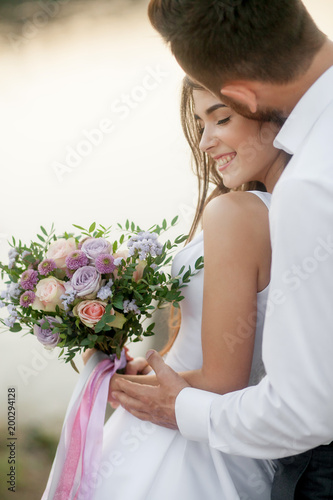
x,y
88,290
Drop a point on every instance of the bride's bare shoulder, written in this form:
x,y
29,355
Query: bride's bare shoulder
x,y
241,206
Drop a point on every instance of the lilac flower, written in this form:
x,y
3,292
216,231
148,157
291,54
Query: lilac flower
x,y
29,279
2,304
93,247
25,254
76,259
13,291
68,298
12,310
130,306
45,336
145,243
10,322
86,281
117,262
104,293
12,255
27,298
105,263
46,267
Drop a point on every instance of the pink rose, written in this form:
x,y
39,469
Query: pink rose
x,y
90,311
58,251
48,293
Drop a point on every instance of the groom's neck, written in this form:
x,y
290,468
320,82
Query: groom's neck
x,y
287,96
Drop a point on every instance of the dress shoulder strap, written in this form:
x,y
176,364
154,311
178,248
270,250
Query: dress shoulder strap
x,y
265,197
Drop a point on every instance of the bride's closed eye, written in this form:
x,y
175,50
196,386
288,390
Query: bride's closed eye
x,y
219,122
225,120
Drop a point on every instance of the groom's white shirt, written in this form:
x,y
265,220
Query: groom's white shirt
x,y
291,410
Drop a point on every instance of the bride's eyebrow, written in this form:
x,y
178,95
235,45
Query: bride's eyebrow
x,y
211,110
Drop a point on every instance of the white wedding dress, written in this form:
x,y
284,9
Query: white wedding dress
x,y
142,461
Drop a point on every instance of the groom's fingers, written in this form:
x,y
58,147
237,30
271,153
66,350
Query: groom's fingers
x,y
139,410
135,396
163,371
132,389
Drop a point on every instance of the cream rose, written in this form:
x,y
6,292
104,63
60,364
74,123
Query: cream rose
x,y
59,250
48,293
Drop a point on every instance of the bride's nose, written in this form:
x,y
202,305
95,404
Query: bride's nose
x,y
208,141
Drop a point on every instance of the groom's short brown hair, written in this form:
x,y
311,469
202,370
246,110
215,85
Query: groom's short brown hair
x,y
216,41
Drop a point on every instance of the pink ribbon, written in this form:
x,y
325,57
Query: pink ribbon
x,y
79,452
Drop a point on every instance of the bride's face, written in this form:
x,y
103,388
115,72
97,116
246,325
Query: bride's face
x,y
242,149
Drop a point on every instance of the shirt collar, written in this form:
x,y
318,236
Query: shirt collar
x,y
306,113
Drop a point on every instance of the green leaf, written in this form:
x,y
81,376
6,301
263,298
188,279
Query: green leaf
x,y
164,224
85,342
132,227
73,365
16,328
79,227
108,318
44,230
199,263
127,225
41,238
115,247
99,327
174,221
92,227
181,238
117,302
121,239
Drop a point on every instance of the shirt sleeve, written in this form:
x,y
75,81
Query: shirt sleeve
x,y
291,409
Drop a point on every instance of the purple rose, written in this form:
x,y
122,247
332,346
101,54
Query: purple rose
x,y
86,282
93,247
45,336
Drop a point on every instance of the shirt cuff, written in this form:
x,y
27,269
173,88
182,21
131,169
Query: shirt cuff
x,y
193,413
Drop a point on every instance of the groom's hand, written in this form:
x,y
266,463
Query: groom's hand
x,y
153,403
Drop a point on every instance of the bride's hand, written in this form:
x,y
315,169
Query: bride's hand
x,y
86,355
137,366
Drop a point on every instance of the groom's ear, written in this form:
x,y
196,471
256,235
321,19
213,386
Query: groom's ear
x,y
243,93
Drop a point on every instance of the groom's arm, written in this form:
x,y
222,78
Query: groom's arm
x,y
291,410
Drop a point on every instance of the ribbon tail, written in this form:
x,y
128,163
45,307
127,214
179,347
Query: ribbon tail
x,y
74,474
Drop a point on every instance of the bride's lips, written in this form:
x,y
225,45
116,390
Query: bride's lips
x,y
224,161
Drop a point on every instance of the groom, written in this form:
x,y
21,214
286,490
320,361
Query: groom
x,y
269,61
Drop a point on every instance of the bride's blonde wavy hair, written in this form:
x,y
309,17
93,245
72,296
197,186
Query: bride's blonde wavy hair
x,y
208,177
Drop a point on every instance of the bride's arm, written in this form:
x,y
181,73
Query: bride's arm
x,y
236,237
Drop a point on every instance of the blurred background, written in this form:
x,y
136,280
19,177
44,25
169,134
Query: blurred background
x,y
90,131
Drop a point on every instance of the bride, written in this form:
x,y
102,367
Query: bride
x,y
218,345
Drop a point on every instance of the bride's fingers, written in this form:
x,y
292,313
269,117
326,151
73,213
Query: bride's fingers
x,y
136,366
